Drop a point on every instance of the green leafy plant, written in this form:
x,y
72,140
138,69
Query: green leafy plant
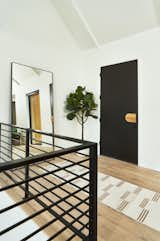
x,y
15,136
80,105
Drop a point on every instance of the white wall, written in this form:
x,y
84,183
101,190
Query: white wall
x,y
36,36
57,51
146,48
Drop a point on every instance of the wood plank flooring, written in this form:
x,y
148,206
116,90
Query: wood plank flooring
x,y
113,226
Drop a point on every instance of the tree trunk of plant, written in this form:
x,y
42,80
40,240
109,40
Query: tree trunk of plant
x,y
82,121
82,131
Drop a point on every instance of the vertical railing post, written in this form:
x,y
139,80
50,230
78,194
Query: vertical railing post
x,y
27,166
11,141
93,194
0,141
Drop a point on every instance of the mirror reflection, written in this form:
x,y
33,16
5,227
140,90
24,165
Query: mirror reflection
x,y
32,98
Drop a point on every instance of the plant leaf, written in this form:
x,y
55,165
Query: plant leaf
x,y
71,116
80,103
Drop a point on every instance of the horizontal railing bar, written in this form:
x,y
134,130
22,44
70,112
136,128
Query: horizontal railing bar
x,y
46,157
6,161
70,139
5,154
2,160
45,226
54,185
51,182
47,143
39,194
15,147
10,151
79,199
14,126
33,215
65,159
65,168
42,157
58,136
38,149
72,207
64,179
47,134
71,238
39,230
8,137
63,229
6,130
65,201
69,159
12,131
74,235
50,144
9,144
11,178
80,189
65,222
14,139
34,178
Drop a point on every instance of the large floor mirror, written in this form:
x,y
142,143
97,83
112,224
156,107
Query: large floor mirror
x,y
32,100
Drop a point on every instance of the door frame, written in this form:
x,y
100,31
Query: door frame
x,y
51,108
36,92
137,106
28,95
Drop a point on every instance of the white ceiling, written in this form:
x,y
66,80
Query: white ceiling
x,y
96,22
34,20
92,23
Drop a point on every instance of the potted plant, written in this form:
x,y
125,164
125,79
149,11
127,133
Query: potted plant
x,y
80,105
15,137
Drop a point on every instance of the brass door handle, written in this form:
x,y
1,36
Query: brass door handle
x,y
131,117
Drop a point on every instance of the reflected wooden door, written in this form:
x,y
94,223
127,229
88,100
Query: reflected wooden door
x,y
35,116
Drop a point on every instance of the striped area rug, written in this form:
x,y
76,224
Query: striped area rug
x,y
140,204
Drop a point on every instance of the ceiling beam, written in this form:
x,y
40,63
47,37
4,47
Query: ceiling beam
x,y
156,5
85,23
76,23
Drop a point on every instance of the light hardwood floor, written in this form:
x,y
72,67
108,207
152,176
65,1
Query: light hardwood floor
x,y
113,226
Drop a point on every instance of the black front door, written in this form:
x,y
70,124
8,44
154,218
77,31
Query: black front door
x,y
119,110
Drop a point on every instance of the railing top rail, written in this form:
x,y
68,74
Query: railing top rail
x,y
72,139
10,125
42,157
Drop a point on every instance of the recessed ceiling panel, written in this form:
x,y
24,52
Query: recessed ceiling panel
x,y
113,19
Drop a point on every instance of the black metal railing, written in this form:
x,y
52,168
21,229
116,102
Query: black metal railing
x,y
56,175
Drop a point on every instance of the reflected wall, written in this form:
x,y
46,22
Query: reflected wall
x,y
32,98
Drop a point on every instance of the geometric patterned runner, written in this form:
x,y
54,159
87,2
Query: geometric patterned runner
x,y
138,203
